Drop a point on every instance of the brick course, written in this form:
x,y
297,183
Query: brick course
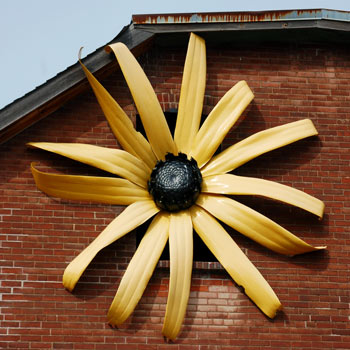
x,y
41,235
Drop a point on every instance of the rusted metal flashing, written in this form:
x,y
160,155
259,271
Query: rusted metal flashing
x,y
241,17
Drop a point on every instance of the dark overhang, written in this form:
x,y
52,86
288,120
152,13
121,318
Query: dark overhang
x,y
318,25
172,29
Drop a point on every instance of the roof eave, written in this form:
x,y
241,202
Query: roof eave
x,y
259,20
51,95
242,17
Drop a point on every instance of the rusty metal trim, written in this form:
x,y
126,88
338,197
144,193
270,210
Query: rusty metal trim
x,y
242,17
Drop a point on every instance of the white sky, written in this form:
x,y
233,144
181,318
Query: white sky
x,y
40,38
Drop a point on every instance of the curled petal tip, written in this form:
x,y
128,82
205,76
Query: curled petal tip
x,y
113,319
312,249
272,310
69,289
110,320
109,48
112,325
320,216
67,281
79,54
167,339
313,130
31,144
274,313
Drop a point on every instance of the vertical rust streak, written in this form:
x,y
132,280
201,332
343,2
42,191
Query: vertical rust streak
x,y
216,17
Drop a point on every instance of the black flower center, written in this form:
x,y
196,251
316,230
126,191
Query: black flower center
x,y
175,183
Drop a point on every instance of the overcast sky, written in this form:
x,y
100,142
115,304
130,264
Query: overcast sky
x,y
40,38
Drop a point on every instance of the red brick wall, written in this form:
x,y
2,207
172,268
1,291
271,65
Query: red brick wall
x,y
41,235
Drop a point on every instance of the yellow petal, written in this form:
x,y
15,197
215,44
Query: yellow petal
x,y
139,270
235,261
181,256
254,225
89,188
257,144
115,161
240,185
146,101
192,95
219,122
121,125
133,216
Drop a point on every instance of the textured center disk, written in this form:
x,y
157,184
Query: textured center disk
x,y
175,183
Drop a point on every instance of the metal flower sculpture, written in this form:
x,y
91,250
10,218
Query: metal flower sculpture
x,y
180,184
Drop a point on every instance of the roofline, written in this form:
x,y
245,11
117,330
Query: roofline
x,y
242,17
138,35
48,97
244,21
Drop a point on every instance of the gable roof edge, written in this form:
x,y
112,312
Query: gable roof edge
x,y
51,95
